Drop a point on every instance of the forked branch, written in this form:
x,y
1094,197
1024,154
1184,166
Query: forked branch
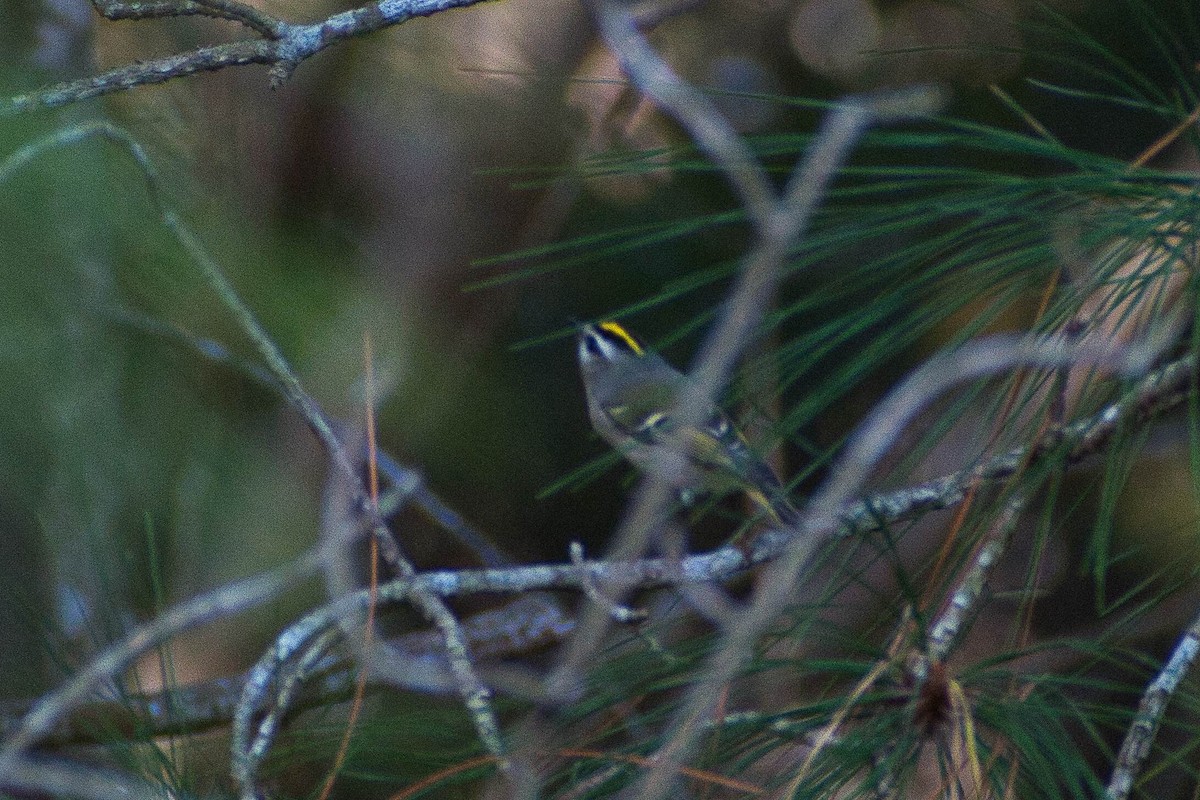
x,y
280,45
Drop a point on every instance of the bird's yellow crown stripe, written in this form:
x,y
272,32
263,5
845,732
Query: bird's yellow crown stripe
x,y
616,329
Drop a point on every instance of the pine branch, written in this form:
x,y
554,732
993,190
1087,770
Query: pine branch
x,y
528,623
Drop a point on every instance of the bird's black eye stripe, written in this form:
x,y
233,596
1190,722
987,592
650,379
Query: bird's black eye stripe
x,y
719,426
593,347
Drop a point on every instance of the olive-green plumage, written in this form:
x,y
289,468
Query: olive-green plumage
x,y
632,395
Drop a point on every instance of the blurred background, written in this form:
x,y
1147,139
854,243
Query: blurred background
x,y
386,188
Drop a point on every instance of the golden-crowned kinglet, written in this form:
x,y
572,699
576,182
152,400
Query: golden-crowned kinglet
x,y
632,394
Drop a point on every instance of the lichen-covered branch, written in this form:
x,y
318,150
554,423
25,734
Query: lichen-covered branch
x,y
1138,740
230,10
281,45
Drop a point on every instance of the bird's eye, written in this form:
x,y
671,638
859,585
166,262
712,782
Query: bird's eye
x,y
593,347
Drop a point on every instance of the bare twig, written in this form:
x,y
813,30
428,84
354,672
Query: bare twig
x,y
620,613
368,625
55,778
692,109
284,45
343,521
417,490
218,603
526,624
276,364
406,484
24,155
476,696
1140,737
971,590
248,744
992,355
246,762
231,10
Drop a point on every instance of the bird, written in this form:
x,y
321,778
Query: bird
x,y
633,396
